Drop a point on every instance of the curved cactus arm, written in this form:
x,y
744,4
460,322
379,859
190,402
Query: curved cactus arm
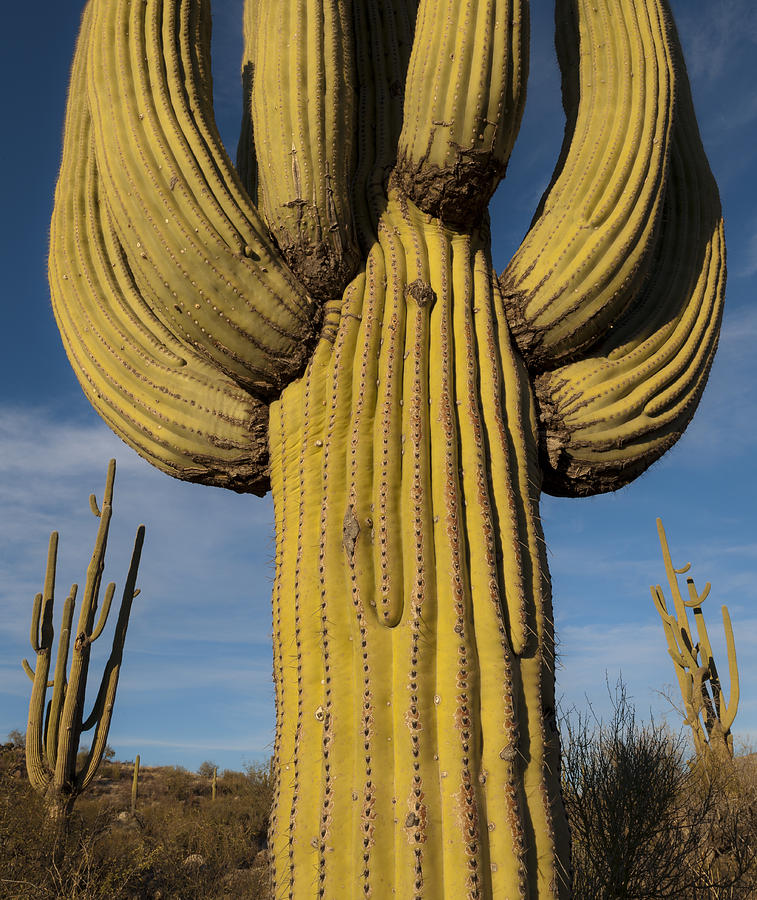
x,y
695,600
41,640
157,394
102,710
672,572
104,610
669,629
97,560
729,714
59,679
34,635
609,415
659,601
304,111
464,98
589,248
197,246
247,165
29,671
677,647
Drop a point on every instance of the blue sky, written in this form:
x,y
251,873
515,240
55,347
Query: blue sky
x,y
196,681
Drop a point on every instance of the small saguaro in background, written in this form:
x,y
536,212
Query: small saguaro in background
x,y
134,785
707,712
55,727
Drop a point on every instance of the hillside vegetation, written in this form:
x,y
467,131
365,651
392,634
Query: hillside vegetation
x,y
647,821
179,845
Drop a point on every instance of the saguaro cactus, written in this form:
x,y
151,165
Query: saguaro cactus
x,y
326,319
708,714
55,727
134,785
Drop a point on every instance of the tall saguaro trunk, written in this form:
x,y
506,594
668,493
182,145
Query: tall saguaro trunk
x,y
325,320
416,747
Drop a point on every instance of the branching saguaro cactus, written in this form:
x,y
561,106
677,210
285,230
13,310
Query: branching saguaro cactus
x,y
55,727
708,714
325,319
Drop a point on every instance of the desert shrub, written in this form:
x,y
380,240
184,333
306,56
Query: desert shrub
x,y
647,822
92,865
174,849
180,783
726,862
17,739
206,769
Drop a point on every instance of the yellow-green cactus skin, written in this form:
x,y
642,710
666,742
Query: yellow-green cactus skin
x,y
326,320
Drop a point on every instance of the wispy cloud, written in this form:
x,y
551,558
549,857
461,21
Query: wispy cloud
x,y
710,40
241,745
591,653
200,629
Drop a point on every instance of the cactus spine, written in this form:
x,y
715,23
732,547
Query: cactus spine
x,y
134,785
350,345
708,714
55,727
